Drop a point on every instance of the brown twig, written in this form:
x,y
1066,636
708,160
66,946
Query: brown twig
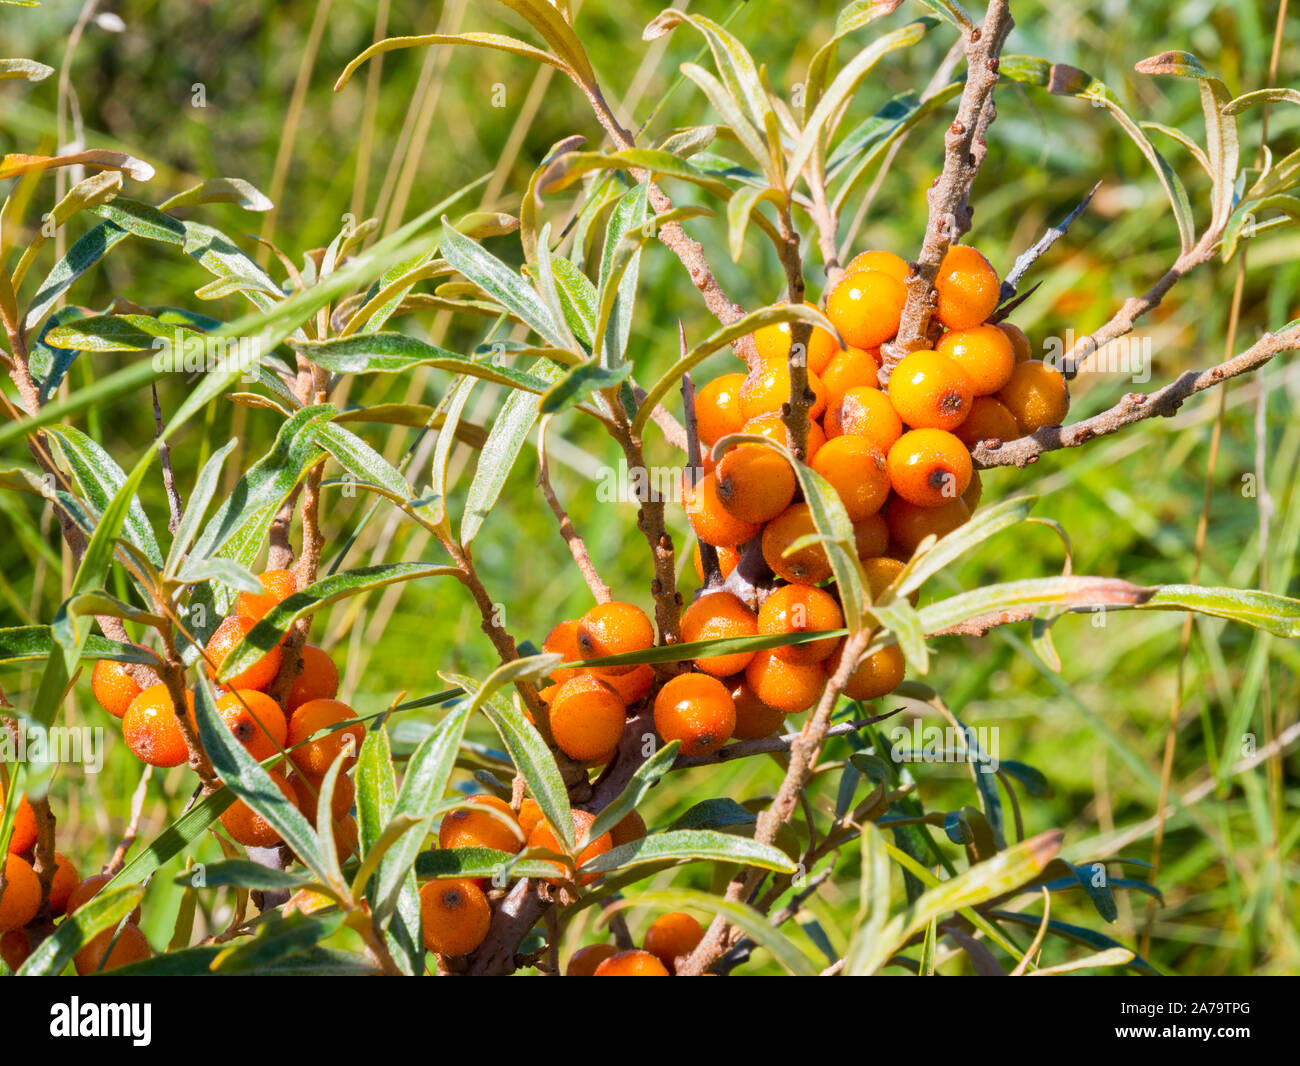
x,y
795,412
174,508
133,826
577,546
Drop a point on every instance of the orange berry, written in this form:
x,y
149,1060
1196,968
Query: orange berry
x,y
850,369
587,718
88,890
712,522
277,585
256,720
773,344
14,948
543,836
809,565
151,730
717,409
630,827
697,710
455,915
22,837
910,524
880,572
785,687
857,473
984,353
771,427
632,964
875,676
867,413
105,953
317,756
563,640
228,636
21,898
249,828
634,685
871,536
345,837
973,491
800,609
967,288
66,880
583,962
714,616
727,560
672,935
1020,345
928,467
530,817
929,390
1036,396
767,390
754,718
989,419
614,628
318,679
307,789
113,686
755,484
486,822
866,306
883,262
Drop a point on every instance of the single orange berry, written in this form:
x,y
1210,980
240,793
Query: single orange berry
x,y
866,306
755,484
113,686
875,676
228,636
800,609
455,915
1020,345
973,492
249,828
151,730
112,949
754,718
307,789
785,687
485,822
346,837
928,467
66,880
712,522
21,898
15,948
1036,396
88,890
256,720
773,344
717,409
989,419
630,827
967,288
910,524
583,962
727,560
277,585
317,756
714,616
929,390
632,964
634,685
671,936
318,679
771,427
614,628
809,565
883,262
850,369
587,718
530,816
697,710
543,836
984,353
857,472
563,640
767,390
867,413
880,572
22,837
871,536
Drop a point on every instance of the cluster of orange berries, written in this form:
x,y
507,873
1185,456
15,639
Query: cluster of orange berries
x,y
153,732
669,937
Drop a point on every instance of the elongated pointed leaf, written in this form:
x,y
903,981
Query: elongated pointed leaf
x,y
690,845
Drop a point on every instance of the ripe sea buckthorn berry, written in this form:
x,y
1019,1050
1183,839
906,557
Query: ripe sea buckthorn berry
x,y
530,816
88,890
884,262
113,686
929,390
672,935
455,915
614,628
485,822
14,948
634,685
989,419
317,756
249,828
318,679
771,427
867,413
727,560
967,288
866,306
785,687
755,484
151,730
587,718
712,522
228,636
277,585
880,572
256,720
809,565
345,837
754,718
1036,396
717,408
850,369
713,616
21,898
773,344
543,836
973,492
632,963
697,710
928,467
875,676
767,389
22,837
800,609
910,524
563,640
1020,346
630,827
871,536
105,953
583,962
857,472
66,880
307,787
984,353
